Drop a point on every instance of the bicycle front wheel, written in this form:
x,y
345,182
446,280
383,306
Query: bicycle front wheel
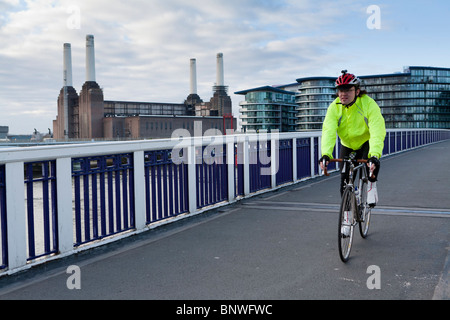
x,y
364,211
346,223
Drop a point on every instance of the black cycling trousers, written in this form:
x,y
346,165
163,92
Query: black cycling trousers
x,y
362,153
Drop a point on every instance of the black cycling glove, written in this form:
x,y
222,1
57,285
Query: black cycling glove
x,y
326,158
375,161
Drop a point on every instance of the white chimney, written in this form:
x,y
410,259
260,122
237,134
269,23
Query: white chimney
x,y
193,76
90,58
220,80
67,71
67,81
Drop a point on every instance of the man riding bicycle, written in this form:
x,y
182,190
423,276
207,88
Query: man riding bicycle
x,y
358,122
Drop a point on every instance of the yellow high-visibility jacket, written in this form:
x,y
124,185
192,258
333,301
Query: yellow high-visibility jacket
x,y
354,125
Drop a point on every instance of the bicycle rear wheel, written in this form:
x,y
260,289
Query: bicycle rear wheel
x,y
346,223
365,212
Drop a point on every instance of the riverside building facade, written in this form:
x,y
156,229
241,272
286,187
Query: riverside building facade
x,y
313,97
267,108
418,97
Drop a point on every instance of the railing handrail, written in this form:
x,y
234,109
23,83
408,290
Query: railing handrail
x,y
227,179
37,153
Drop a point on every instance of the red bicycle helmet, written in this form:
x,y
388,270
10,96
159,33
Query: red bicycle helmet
x,y
347,79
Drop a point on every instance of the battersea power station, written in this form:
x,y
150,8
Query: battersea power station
x,y
88,116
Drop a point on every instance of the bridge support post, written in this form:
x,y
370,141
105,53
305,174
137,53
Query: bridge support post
x,y
312,155
64,206
274,158
139,191
15,208
246,159
192,177
294,159
229,140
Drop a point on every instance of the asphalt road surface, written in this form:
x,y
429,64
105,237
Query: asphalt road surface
x,y
278,245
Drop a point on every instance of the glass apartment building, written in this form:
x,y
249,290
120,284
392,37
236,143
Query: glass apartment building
x,y
267,108
313,98
419,97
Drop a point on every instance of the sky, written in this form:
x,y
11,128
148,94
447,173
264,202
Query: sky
x,y
143,47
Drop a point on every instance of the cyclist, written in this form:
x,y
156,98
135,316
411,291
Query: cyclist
x,y
358,122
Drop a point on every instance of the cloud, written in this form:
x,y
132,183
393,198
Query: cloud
x,y
143,48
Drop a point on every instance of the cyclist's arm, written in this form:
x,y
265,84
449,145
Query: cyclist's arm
x,y
329,128
377,130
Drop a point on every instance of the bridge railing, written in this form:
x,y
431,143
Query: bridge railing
x,y
58,200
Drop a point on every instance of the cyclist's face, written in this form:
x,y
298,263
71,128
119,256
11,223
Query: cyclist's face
x,y
347,95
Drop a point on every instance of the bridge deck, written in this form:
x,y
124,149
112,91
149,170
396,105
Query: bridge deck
x,y
279,245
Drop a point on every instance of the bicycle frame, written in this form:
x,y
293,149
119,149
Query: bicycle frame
x,y
354,202
353,171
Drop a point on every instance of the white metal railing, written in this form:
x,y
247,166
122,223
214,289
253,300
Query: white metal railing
x,y
149,183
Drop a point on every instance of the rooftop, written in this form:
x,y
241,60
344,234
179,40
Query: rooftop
x,y
265,88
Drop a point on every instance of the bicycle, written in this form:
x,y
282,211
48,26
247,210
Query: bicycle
x,y
354,208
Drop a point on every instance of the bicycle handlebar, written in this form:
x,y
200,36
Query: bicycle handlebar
x,y
325,171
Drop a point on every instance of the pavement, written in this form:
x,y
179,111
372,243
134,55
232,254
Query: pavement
x,y
280,245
